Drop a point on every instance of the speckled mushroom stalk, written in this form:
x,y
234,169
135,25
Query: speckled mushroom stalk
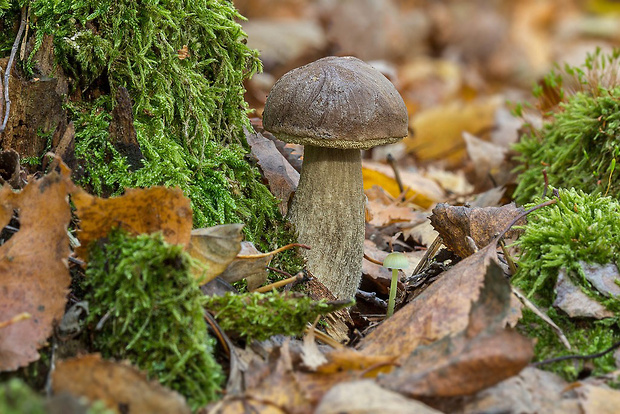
x,y
336,107
328,214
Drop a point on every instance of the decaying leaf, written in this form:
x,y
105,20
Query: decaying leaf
x,y
122,387
598,400
254,270
438,130
281,177
441,310
420,190
369,398
571,299
215,247
482,355
532,391
455,223
137,211
33,266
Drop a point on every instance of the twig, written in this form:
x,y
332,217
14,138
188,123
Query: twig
x,y
7,72
280,283
281,249
542,316
372,298
428,255
525,213
546,177
371,260
567,357
511,263
392,162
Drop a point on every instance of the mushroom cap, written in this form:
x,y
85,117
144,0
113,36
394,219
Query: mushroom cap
x,y
336,102
396,260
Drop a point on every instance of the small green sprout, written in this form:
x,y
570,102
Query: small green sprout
x,y
394,261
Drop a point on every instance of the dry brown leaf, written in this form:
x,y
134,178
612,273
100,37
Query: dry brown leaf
x,y
281,177
33,266
598,400
455,223
120,386
441,310
215,247
532,391
573,300
254,270
369,398
482,355
421,191
438,130
138,211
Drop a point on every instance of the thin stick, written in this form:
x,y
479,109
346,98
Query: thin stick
x,y
585,357
371,260
511,263
428,255
392,162
280,283
7,72
542,315
17,318
276,251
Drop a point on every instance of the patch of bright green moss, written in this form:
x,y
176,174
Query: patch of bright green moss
x,y
155,311
189,110
261,315
579,227
579,143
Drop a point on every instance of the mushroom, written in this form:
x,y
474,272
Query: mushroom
x,y
394,261
335,107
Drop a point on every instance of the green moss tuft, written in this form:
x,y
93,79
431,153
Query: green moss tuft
x,y
156,313
262,315
579,227
189,113
580,143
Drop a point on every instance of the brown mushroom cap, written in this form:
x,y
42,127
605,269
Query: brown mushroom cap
x,y
336,102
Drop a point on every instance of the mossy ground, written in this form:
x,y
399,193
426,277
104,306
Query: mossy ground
x,y
156,315
579,143
189,111
579,227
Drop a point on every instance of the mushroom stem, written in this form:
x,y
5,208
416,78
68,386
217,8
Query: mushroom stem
x,y
392,297
328,214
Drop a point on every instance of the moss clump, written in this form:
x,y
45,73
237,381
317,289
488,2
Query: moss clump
x,y
183,63
579,143
261,315
156,313
17,398
579,227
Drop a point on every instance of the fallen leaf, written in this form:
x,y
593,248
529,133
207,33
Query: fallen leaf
x,y
604,278
254,270
438,130
281,177
369,398
532,391
215,247
120,386
441,310
598,400
33,266
183,53
420,191
487,157
138,211
571,299
455,223
480,356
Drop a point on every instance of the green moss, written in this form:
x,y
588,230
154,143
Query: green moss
x,y
17,398
579,143
261,315
189,113
580,227
155,313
